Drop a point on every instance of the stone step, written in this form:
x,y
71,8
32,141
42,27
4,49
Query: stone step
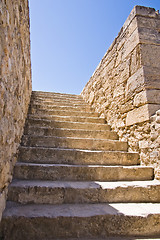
x,y
68,118
47,112
74,156
66,124
66,172
54,94
46,221
61,102
59,99
62,192
60,107
76,143
64,132
58,103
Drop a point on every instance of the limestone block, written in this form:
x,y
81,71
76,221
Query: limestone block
x,y
128,30
91,98
149,36
122,72
119,90
134,60
153,96
145,12
150,54
130,44
135,84
140,11
141,114
151,23
152,76
140,99
147,96
126,107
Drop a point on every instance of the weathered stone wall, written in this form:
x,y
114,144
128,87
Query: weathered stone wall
x,y
151,147
125,87
15,84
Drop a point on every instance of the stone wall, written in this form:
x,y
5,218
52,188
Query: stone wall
x,y
15,84
125,87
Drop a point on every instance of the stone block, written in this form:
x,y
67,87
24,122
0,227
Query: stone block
x,y
134,60
130,44
153,96
126,107
147,96
149,55
140,99
126,33
141,114
140,11
119,90
145,12
152,77
149,36
135,84
152,23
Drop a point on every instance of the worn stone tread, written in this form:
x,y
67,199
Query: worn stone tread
x,y
82,172
72,142
59,98
65,132
81,220
58,103
60,192
49,112
84,184
51,106
39,93
67,124
68,118
76,156
82,210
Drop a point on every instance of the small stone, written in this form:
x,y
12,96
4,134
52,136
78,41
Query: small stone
x,y
143,144
158,119
154,136
158,113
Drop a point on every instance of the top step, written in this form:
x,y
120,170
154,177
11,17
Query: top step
x,y
56,95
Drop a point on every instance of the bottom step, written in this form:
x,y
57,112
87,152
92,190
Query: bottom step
x,y
46,222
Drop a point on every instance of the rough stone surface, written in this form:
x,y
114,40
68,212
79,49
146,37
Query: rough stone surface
x,y
125,87
15,83
84,173
81,221
59,192
68,187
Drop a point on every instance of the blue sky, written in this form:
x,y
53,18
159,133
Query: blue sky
x,y
70,37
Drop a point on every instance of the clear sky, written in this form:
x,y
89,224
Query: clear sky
x,y
70,37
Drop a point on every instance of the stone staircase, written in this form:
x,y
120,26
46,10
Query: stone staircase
x,y
75,180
